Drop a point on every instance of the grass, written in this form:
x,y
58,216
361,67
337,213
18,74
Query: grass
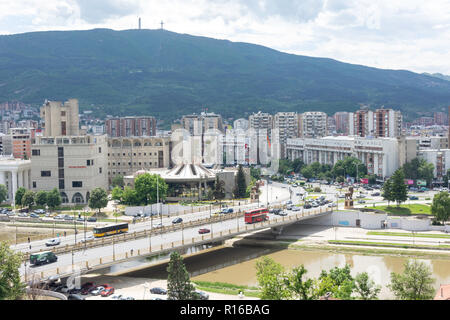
x,y
386,244
227,288
405,209
403,234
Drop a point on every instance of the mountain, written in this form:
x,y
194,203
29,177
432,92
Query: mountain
x,y
165,74
438,75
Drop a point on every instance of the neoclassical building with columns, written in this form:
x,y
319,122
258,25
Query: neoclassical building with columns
x,y
14,173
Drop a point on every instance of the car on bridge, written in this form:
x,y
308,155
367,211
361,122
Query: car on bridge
x,y
203,230
413,198
177,220
88,238
43,258
227,210
295,208
53,242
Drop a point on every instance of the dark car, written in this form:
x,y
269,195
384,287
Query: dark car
x,y
275,211
158,290
204,230
92,219
200,295
307,206
75,297
177,220
87,288
413,198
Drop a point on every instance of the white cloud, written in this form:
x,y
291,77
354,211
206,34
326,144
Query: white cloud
x,y
403,34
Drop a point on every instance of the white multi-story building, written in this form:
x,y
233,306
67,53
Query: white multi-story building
x,y
287,125
241,124
75,165
14,173
379,155
440,158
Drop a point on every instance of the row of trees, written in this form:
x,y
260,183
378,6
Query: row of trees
x,y
419,169
28,198
415,283
350,166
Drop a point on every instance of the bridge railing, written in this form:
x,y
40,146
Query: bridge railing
x,y
124,256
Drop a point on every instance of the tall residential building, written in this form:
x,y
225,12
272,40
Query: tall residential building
x,y
342,122
21,142
260,120
313,124
198,124
440,118
287,125
131,127
387,123
60,119
241,124
363,123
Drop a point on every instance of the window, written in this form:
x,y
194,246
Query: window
x,y
77,184
99,170
36,152
61,173
63,113
60,152
61,184
99,149
46,173
61,163
34,184
88,162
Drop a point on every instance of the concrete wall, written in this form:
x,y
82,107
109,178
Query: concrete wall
x,y
374,221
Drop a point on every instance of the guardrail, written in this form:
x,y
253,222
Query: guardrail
x,y
88,265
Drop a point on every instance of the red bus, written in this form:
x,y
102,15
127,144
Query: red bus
x,y
256,215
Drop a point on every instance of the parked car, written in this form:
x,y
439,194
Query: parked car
x,y
24,210
22,214
282,213
68,218
158,290
158,225
59,217
87,287
92,219
307,206
80,219
39,211
119,297
107,292
177,220
200,295
53,242
75,297
295,208
204,230
34,215
361,201
98,290
331,205
413,198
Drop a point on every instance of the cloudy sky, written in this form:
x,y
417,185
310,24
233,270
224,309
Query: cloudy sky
x,y
394,34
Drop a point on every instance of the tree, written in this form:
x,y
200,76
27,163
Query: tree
x,y
338,282
440,207
241,185
255,173
130,197
270,276
300,288
179,286
415,283
219,189
117,193
53,199
41,198
28,199
117,181
3,193
307,172
19,194
11,287
148,186
365,287
399,190
98,199
387,191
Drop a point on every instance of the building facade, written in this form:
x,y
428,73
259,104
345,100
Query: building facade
x,y
60,119
14,173
131,127
198,124
74,165
379,155
312,124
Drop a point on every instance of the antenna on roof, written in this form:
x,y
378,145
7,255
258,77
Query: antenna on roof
x,y
139,23
162,25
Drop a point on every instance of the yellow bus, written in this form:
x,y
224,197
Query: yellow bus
x,y
110,230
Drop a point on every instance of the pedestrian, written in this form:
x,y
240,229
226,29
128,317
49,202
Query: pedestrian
x,y
64,233
28,239
241,295
131,251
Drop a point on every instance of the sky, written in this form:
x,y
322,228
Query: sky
x,y
391,34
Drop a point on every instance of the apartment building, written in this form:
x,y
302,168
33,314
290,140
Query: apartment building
x,y
75,165
387,123
21,142
58,119
287,125
312,124
440,158
260,121
198,124
131,127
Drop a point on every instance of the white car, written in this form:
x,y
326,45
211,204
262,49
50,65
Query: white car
x,y
295,208
53,242
158,225
97,291
88,238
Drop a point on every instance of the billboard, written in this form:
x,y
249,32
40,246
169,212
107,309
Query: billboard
x,y
365,181
409,182
421,183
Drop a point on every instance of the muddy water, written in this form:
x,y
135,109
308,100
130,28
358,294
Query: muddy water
x,y
236,265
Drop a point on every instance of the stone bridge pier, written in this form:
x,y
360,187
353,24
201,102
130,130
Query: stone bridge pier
x,y
276,231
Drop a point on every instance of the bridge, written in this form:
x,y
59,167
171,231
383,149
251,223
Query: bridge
x,y
100,253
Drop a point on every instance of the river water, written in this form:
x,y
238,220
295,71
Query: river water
x,y
236,265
